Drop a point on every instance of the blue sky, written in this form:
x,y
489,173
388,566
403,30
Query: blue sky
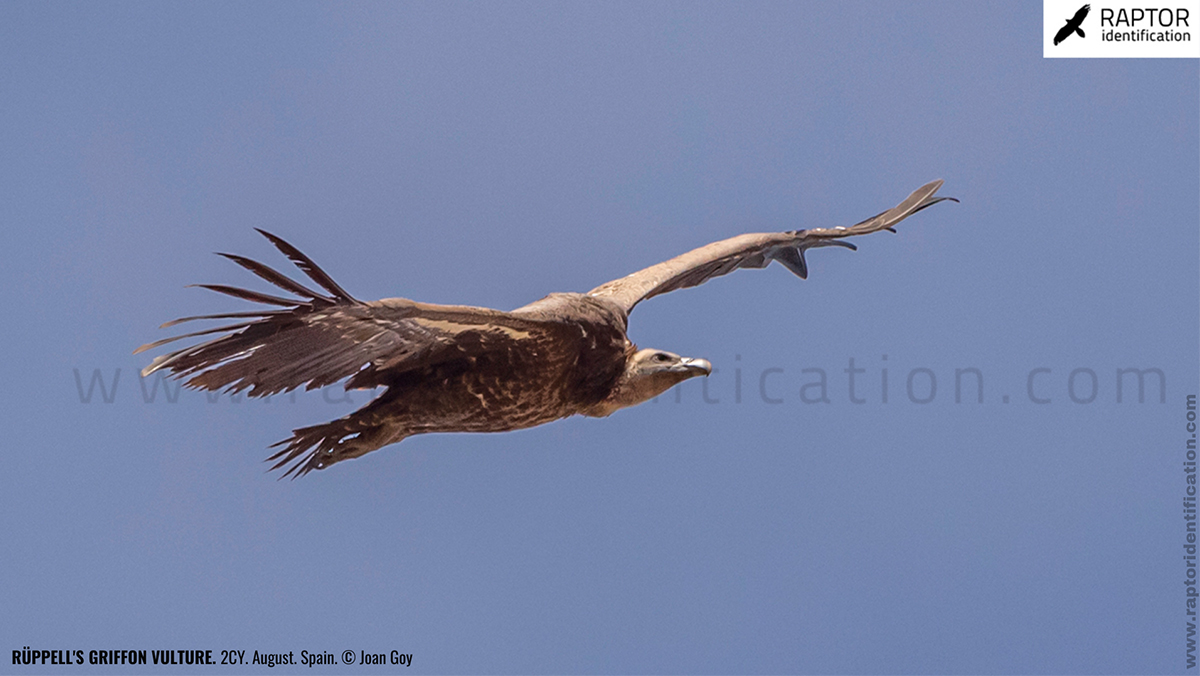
x,y
488,154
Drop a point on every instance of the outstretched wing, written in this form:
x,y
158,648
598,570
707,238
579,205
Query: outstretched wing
x,y
754,250
324,336
1077,20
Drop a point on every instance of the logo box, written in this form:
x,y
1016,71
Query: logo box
x,y
1145,29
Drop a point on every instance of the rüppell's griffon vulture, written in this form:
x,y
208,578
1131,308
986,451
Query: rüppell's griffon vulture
x,y
452,368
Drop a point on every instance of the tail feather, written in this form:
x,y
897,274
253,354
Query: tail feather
x,y
320,446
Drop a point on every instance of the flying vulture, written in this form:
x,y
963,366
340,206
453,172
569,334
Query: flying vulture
x,y
454,368
1073,25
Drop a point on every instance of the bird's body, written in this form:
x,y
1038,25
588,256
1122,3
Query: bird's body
x,y
562,362
496,379
465,369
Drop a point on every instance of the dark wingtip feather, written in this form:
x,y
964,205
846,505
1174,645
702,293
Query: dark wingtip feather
x,y
933,202
263,314
246,294
792,258
307,266
275,277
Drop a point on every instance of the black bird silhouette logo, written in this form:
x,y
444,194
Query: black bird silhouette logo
x,y
1073,25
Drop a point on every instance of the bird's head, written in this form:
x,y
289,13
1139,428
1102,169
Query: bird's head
x,y
649,373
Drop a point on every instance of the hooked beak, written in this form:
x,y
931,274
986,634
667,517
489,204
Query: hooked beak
x,y
695,366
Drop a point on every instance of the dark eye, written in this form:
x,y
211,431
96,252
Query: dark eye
x,y
662,357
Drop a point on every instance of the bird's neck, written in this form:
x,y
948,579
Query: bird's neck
x,y
632,389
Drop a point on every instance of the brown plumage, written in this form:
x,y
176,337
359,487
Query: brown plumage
x,y
451,368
